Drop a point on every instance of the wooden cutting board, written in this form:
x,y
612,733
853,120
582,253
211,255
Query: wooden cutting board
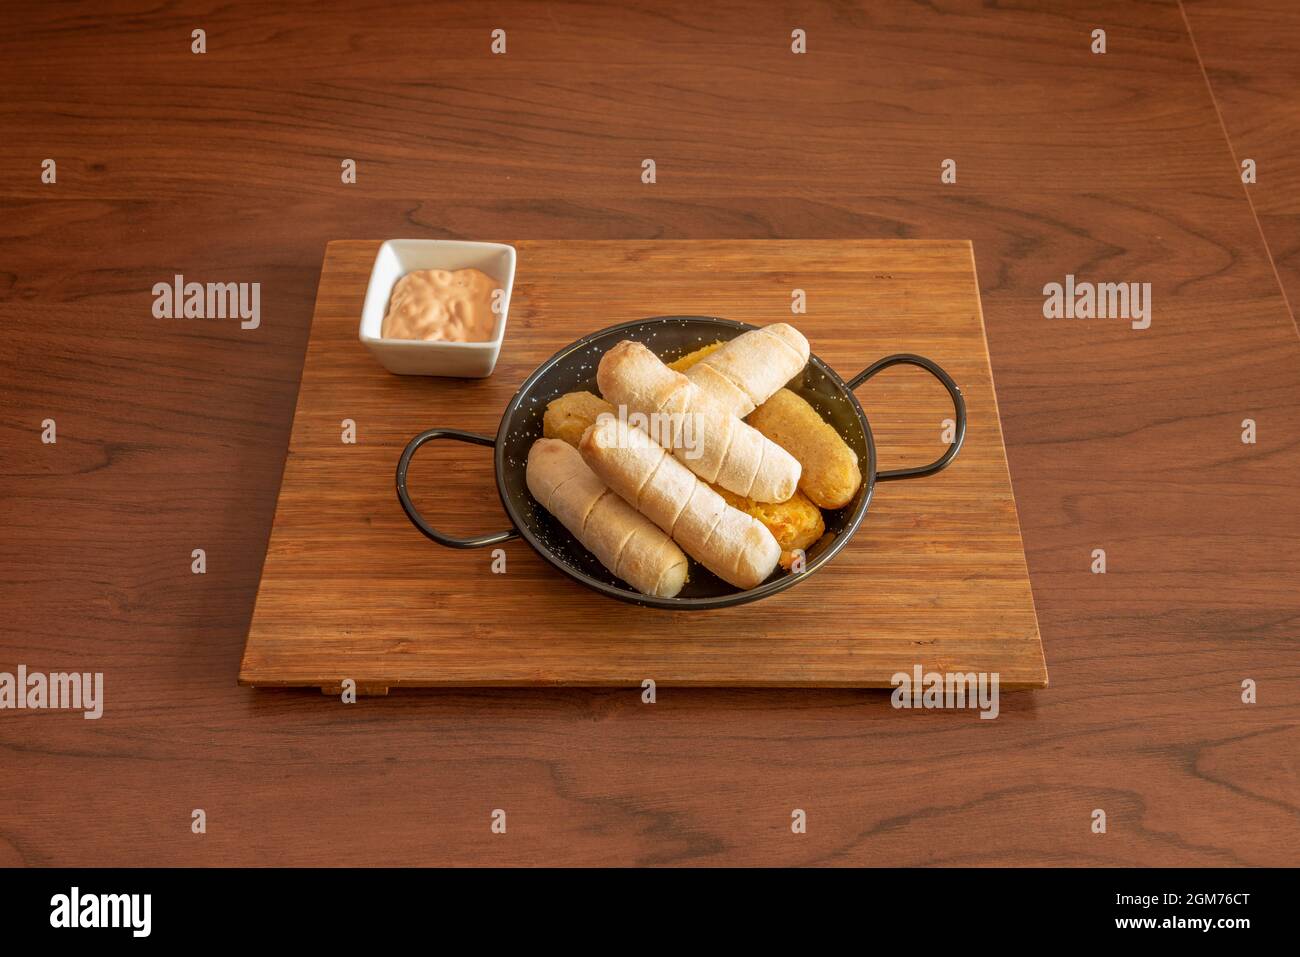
x,y
935,576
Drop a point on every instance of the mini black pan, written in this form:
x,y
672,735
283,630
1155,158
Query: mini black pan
x,y
574,368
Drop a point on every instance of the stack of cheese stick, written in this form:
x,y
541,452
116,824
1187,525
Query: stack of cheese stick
x,y
745,372
733,545
624,540
660,479
830,473
711,440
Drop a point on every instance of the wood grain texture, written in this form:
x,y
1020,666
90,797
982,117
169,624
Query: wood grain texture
x,y
173,436
1248,51
936,575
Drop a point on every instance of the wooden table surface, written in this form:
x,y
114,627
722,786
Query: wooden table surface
x,y
225,167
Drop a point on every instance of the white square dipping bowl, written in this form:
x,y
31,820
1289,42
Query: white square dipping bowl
x,y
397,257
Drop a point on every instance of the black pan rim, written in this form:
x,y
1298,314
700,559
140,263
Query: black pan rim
x,y
629,595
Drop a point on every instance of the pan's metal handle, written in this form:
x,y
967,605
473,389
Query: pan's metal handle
x,y
958,404
493,538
